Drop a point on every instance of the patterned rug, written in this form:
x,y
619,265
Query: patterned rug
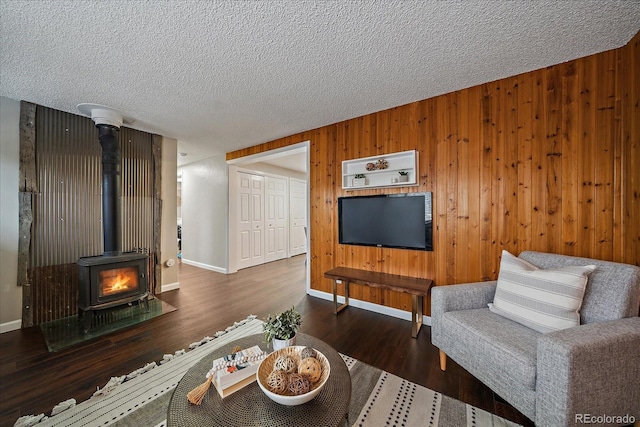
x,y
378,397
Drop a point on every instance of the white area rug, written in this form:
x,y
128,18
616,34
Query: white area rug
x,y
378,397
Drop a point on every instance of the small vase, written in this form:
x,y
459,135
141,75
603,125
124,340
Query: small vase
x,y
358,182
278,344
404,178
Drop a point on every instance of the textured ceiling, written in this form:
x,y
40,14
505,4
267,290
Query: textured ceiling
x,y
222,75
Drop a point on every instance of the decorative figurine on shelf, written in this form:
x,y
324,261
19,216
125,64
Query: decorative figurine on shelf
x,y
371,167
382,164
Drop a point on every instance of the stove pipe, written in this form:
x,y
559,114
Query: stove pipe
x,y
108,122
111,189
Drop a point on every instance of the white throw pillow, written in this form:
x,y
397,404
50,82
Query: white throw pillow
x,y
543,300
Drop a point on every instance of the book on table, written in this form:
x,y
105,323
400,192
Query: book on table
x,y
235,371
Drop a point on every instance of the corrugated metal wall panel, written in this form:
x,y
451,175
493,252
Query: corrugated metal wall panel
x,y
66,215
137,189
67,212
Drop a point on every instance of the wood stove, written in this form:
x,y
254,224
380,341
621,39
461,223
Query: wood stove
x,y
113,278
110,281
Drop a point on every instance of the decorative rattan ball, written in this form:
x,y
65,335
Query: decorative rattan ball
x,y
278,381
382,164
370,167
299,384
310,368
307,352
285,363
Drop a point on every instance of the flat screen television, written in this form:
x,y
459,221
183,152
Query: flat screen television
x,y
389,221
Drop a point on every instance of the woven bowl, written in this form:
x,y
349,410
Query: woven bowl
x,y
266,366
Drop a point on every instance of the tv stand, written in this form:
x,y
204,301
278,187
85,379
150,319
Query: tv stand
x,y
418,288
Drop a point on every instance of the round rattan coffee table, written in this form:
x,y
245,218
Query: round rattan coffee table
x,y
250,406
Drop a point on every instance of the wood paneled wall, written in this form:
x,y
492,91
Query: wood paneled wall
x,y
547,160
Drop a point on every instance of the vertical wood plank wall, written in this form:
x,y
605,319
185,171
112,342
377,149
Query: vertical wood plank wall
x,y
547,160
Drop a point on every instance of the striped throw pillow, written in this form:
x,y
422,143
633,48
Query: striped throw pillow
x,y
543,300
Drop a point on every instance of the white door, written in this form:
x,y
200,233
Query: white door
x,y
275,218
251,220
298,216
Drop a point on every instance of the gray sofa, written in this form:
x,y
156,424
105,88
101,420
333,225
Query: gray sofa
x,y
552,378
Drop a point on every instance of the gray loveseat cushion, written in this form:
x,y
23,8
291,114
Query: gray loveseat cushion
x,y
494,344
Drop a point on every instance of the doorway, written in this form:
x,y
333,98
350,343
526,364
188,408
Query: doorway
x,y
255,232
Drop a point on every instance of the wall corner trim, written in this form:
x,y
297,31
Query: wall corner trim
x,y
170,287
205,266
14,325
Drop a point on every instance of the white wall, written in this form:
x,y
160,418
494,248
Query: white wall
x,y
169,233
10,293
205,207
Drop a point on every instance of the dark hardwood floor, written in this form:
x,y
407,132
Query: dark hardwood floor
x,y
32,380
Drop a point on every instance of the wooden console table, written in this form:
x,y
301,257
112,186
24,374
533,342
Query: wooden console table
x,y
418,288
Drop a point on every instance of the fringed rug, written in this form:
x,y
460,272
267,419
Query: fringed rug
x,y
378,398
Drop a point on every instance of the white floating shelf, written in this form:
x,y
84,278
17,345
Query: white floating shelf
x,y
379,178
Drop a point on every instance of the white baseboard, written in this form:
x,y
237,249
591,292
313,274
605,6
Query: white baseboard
x,y
170,287
369,306
205,266
14,325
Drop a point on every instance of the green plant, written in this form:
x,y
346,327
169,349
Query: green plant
x,y
403,173
282,326
359,176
